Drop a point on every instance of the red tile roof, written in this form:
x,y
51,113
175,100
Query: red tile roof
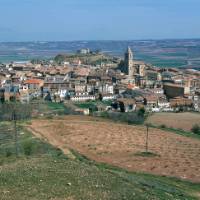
x,y
33,81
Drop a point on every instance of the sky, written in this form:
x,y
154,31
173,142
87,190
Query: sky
x,y
66,20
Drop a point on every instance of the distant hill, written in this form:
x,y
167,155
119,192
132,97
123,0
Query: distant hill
x,y
163,53
93,59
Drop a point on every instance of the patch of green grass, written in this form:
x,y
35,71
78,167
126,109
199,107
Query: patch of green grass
x,y
146,154
46,173
50,109
107,103
86,104
163,187
177,131
56,106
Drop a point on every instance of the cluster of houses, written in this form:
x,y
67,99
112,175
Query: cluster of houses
x,y
130,86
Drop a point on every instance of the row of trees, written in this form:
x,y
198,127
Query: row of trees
x,y
14,112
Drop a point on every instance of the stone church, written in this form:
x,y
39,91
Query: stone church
x,y
132,67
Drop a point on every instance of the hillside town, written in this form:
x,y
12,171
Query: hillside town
x,y
126,83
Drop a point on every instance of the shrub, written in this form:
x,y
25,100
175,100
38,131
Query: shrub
x,y
28,147
146,154
29,123
196,129
58,152
49,117
8,153
163,126
141,112
105,115
130,118
69,111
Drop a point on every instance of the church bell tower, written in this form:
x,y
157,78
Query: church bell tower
x,y
128,62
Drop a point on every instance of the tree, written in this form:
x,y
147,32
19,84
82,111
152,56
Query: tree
x,y
48,97
145,101
2,96
100,97
141,112
115,105
14,118
93,108
15,111
196,129
42,92
122,107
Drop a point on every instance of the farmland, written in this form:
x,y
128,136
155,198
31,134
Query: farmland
x,y
183,121
43,172
122,145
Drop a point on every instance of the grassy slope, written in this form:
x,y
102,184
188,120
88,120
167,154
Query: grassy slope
x,y
173,129
177,131
48,174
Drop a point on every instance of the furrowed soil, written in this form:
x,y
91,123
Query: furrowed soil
x,y
122,145
183,121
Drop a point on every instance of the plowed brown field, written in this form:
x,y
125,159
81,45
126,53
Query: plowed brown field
x,y
118,144
183,121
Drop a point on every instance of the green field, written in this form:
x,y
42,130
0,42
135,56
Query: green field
x,y
55,106
85,105
177,59
91,104
52,108
42,172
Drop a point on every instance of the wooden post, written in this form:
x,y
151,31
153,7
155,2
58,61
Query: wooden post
x,y
147,138
15,133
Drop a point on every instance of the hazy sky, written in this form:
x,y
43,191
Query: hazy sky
x,y
46,20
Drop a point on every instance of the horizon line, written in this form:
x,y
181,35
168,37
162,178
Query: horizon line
x,y
100,40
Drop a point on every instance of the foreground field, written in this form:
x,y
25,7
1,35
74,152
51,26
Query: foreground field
x,y
42,172
121,145
183,121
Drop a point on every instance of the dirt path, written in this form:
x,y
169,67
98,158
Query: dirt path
x,y
55,141
118,144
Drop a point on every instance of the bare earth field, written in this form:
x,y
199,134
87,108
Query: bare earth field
x,y
118,144
183,121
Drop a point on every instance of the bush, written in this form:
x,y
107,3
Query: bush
x,y
28,147
59,152
196,129
141,112
8,153
105,115
130,118
69,111
29,123
163,126
49,117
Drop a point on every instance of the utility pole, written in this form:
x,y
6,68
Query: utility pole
x,y
147,138
15,132
14,118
